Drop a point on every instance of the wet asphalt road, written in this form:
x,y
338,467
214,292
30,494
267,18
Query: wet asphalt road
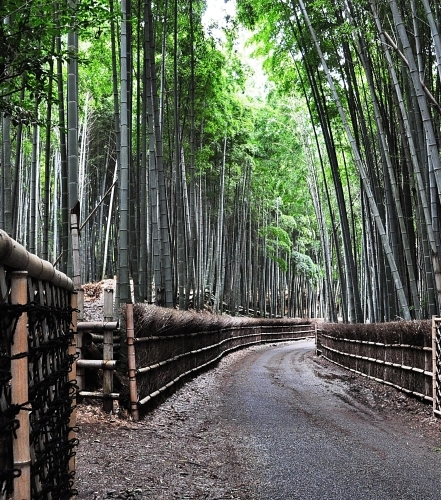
x,y
314,441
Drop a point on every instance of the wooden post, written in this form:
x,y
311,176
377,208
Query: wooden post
x,y
131,362
427,366
434,364
76,265
315,338
73,374
19,389
108,352
76,269
79,337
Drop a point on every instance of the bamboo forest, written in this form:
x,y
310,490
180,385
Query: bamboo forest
x,y
281,160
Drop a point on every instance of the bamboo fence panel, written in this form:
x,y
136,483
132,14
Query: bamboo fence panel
x,y
164,361
37,390
436,363
406,367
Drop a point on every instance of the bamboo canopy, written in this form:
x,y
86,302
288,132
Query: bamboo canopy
x,y
16,256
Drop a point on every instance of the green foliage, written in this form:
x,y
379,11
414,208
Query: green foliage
x,y
277,244
304,265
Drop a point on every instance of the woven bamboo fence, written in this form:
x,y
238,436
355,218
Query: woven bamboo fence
x,y
436,359
37,379
161,360
396,354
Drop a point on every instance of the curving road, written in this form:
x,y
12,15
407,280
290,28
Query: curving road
x,y
314,441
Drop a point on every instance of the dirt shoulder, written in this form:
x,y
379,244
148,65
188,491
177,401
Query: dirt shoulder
x,y
179,450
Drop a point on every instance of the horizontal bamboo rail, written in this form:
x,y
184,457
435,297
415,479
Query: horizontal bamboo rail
x,y
105,364
195,370
210,347
383,362
198,357
378,361
197,351
384,382
98,395
189,335
14,255
105,334
97,326
379,344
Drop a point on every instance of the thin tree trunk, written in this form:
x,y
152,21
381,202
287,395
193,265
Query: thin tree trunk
x,y
220,237
124,295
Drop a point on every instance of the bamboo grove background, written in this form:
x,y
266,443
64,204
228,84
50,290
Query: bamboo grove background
x,y
317,197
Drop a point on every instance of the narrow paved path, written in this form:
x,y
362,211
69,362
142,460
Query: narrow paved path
x,y
314,441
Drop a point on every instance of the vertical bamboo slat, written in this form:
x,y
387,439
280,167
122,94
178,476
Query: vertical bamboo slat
x,y
19,389
131,362
76,268
72,374
79,338
427,365
108,352
434,364
76,263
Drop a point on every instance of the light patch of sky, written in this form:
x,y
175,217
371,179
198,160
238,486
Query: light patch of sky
x,y
214,20
217,12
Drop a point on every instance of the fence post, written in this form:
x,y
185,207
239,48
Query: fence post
x,y
79,300
20,388
76,270
131,362
72,377
434,364
108,352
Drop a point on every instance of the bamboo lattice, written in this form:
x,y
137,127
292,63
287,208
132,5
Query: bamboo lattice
x,y
46,403
436,348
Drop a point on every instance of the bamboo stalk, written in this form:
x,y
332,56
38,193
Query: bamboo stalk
x,y
19,389
108,350
131,362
